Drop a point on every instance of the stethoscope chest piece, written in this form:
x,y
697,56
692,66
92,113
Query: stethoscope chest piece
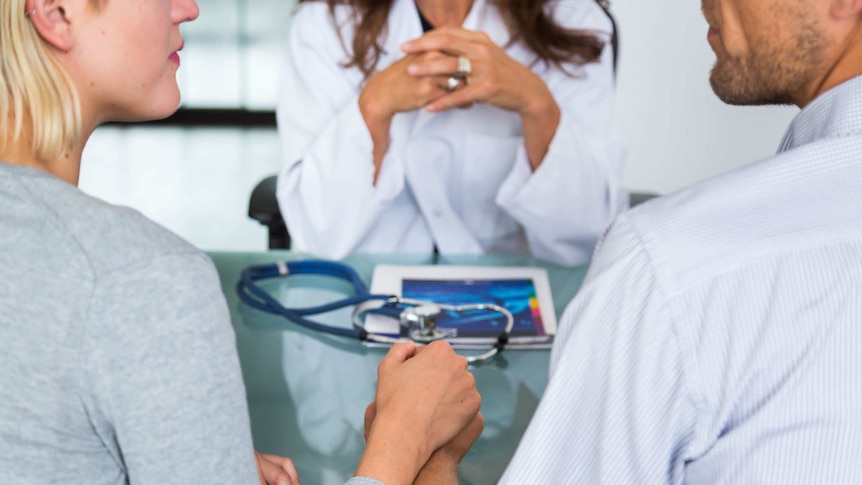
x,y
421,322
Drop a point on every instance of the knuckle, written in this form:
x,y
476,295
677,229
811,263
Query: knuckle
x,y
475,397
488,87
439,344
424,89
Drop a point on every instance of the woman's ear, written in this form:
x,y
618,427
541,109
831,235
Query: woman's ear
x,y
51,20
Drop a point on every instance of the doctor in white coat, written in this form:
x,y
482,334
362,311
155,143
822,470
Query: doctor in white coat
x,y
461,127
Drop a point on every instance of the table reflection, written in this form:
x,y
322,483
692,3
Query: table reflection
x,y
307,391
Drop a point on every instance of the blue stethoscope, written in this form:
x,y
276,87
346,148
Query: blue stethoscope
x,y
417,317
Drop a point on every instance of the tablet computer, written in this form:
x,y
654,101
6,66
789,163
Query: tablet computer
x,y
524,291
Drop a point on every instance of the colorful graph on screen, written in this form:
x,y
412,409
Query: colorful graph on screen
x,y
516,295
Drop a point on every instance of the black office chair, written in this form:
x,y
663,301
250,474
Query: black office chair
x,y
636,198
263,207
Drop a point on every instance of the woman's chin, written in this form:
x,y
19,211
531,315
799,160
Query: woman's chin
x,y
150,112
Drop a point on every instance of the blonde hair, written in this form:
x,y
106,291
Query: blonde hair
x,y
34,88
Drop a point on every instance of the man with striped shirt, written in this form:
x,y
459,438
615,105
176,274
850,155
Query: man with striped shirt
x,y
718,335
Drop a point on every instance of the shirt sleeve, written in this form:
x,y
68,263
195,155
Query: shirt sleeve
x,y
582,170
325,187
167,397
618,407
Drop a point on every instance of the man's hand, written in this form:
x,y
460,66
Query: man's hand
x,y
276,470
424,399
442,467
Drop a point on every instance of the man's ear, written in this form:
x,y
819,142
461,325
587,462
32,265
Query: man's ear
x,y
50,18
843,9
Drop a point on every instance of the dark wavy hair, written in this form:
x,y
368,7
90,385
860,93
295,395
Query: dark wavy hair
x,y
526,20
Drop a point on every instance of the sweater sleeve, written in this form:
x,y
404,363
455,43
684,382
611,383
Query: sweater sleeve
x,y
166,391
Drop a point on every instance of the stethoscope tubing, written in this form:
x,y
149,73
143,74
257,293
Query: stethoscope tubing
x,y
253,295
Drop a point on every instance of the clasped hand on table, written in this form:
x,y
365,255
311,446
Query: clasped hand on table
x,y
424,418
419,80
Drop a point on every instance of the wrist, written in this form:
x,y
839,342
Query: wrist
x,y
539,123
542,108
372,111
395,452
441,468
378,123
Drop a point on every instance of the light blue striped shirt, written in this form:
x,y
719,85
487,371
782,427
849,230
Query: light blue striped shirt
x,y
718,335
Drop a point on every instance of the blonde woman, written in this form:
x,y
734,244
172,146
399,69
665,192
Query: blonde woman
x,y
117,358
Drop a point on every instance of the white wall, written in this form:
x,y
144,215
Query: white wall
x,y
676,130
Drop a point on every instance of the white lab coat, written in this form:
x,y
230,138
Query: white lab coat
x,y
458,179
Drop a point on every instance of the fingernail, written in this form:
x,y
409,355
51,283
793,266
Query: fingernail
x,y
412,69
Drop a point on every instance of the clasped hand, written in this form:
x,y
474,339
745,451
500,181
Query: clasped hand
x,y
419,80
426,404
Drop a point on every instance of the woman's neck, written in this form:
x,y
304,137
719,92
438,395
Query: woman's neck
x,y
445,12
67,166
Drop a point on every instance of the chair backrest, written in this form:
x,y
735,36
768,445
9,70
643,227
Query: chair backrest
x,y
263,207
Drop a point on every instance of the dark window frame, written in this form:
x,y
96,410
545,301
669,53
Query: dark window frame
x,y
214,117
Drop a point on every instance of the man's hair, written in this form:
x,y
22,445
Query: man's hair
x,y
36,94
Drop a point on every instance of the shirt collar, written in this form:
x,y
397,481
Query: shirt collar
x,y
835,113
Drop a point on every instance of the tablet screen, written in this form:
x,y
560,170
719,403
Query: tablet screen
x,y
516,295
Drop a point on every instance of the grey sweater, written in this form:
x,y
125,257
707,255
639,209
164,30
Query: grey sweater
x,y
117,359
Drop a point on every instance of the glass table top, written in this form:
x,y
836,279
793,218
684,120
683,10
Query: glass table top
x,y
307,391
